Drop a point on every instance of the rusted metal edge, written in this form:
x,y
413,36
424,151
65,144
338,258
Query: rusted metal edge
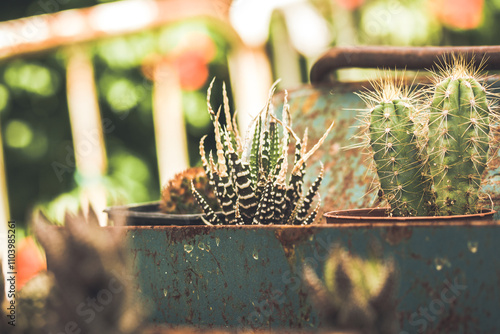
x,y
411,58
372,224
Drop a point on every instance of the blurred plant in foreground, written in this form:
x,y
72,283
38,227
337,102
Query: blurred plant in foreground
x,y
87,286
356,294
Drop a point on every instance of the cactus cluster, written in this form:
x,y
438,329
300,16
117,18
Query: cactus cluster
x,y
430,156
249,177
176,196
356,294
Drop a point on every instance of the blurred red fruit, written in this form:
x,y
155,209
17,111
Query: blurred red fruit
x,y
462,14
29,261
192,68
350,4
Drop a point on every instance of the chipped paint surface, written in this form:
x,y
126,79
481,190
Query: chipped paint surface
x,y
347,178
225,284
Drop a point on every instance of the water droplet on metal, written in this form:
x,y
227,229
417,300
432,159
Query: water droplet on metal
x,y
472,245
441,262
201,246
255,254
217,241
188,248
165,292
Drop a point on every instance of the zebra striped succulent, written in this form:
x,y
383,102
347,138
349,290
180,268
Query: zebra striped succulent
x,y
249,176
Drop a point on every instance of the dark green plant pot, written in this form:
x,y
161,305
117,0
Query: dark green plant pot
x,y
149,214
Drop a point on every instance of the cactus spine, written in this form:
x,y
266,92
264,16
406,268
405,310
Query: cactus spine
x,y
459,128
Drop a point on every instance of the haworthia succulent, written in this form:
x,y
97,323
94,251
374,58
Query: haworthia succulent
x,y
254,190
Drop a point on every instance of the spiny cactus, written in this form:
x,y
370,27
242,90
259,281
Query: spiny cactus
x,y
394,130
430,159
459,137
249,177
356,294
176,196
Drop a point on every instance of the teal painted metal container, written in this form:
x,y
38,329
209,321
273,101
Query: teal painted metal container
x,y
251,276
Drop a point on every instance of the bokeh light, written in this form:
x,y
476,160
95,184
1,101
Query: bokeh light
x,y
32,78
4,97
18,134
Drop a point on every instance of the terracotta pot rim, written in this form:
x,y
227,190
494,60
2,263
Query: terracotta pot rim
x,y
378,214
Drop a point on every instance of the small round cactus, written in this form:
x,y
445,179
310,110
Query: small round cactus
x,y
177,197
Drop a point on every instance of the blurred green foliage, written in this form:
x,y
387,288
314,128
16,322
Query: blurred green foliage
x,y
36,130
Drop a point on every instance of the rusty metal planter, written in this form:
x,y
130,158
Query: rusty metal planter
x,y
250,276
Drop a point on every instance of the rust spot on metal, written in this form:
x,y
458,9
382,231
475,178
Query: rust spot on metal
x,y
452,322
289,237
310,102
396,234
181,233
416,256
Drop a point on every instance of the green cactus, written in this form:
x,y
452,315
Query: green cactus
x,y
430,161
459,129
398,150
356,294
250,177
176,196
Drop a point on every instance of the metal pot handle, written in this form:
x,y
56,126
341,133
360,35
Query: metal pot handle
x,y
411,58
